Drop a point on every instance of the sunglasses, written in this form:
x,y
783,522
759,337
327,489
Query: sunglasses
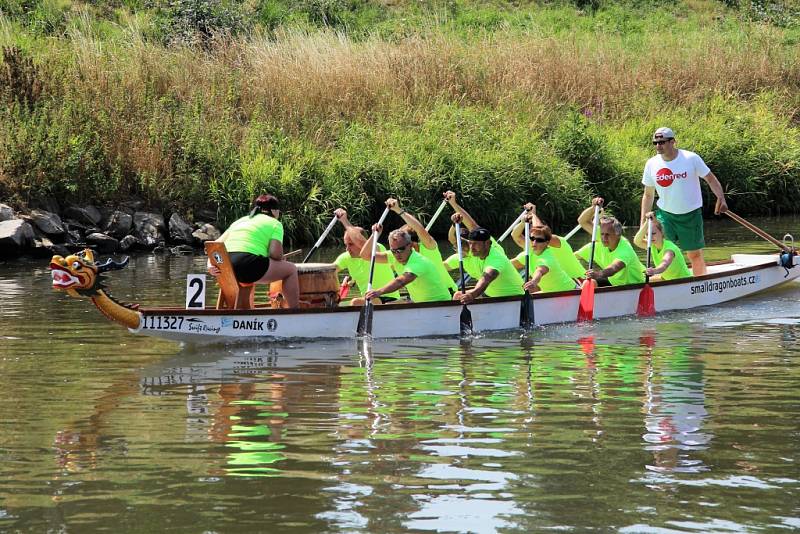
x,y
399,249
661,142
537,239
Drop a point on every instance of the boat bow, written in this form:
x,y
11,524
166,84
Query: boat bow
x,y
81,277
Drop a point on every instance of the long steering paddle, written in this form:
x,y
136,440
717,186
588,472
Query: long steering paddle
x,y
647,299
365,317
586,304
526,313
321,239
465,320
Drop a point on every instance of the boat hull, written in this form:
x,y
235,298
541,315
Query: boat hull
x,y
744,275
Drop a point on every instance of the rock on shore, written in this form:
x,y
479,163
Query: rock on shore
x,y
43,232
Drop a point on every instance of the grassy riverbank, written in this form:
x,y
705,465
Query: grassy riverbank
x,y
550,103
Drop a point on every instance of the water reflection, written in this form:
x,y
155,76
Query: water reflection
x,y
666,424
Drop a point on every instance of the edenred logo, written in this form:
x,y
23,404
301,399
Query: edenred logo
x,y
665,177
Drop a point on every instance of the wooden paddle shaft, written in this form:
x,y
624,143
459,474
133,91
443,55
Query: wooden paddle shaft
x,y
758,231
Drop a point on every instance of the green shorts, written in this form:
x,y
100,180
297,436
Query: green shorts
x,y
685,230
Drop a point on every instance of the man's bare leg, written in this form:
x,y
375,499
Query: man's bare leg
x,y
698,262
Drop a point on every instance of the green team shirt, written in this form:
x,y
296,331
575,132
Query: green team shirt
x,y
567,260
508,281
435,257
427,286
471,267
633,273
358,269
556,278
678,268
253,234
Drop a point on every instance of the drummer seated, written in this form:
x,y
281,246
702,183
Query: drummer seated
x,y
418,274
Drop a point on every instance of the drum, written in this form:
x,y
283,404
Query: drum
x,y
319,287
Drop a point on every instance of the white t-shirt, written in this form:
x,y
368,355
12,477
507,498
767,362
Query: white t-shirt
x,y
677,182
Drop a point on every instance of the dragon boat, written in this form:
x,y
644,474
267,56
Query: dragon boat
x,y
81,276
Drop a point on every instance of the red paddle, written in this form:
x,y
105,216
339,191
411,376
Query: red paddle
x,y
647,299
586,304
344,289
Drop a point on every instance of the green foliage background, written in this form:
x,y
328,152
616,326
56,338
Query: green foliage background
x,y
179,150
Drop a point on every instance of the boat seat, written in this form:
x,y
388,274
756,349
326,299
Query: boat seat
x,y
233,294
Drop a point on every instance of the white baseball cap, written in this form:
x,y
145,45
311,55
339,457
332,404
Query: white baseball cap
x,y
663,133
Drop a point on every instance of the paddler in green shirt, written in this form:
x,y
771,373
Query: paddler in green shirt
x,y
558,246
419,275
546,272
498,277
358,268
614,253
423,243
667,257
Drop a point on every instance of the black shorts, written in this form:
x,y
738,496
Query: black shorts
x,y
386,300
247,267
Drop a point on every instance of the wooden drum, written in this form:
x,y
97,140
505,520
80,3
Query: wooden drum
x,y
319,287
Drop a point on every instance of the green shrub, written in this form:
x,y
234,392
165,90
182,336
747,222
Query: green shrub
x,y
198,22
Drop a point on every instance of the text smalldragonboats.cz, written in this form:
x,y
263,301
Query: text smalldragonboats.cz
x,y
710,286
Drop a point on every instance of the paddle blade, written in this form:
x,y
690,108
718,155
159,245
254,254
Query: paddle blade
x,y
466,321
586,304
344,289
526,311
364,327
647,302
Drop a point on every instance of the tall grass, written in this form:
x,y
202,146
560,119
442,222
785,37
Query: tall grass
x,y
552,105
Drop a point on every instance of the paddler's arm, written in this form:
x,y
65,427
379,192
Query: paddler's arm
x,y
609,271
401,281
489,275
647,201
586,218
341,215
663,266
275,250
425,239
721,206
640,239
533,284
366,250
469,222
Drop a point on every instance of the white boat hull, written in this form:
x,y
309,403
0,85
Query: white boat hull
x,y
745,275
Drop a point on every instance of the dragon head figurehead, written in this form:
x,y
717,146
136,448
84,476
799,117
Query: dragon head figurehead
x,y
79,275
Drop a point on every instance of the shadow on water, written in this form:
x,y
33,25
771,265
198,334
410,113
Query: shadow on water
x,y
682,422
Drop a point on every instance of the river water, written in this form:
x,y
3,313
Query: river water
x,y
687,422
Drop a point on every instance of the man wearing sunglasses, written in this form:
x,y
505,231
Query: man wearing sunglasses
x,y
615,261
675,174
418,273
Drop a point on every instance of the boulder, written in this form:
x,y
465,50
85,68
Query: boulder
x,y
6,212
179,230
46,203
89,215
205,215
103,243
16,236
132,206
49,223
119,224
149,228
129,242
61,250
182,250
207,232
